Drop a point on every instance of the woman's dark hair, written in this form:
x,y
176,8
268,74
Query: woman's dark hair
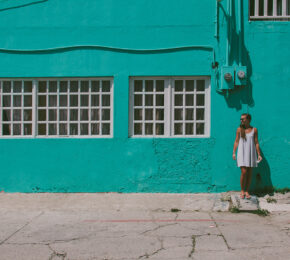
x,y
243,132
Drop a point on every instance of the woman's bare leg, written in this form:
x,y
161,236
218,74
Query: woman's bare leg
x,y
248,181
243,180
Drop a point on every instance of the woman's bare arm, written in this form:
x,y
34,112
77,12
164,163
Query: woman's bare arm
x,y
257,142
236,143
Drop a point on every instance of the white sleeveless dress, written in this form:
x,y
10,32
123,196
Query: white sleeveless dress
x,y
247,153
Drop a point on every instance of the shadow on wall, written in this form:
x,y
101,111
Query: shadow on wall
x,y
240,94
16,4
261,177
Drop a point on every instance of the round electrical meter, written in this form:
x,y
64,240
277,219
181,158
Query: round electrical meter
x,y
241,74
228,76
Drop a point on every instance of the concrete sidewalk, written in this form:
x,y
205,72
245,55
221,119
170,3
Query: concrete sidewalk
x,y
136,226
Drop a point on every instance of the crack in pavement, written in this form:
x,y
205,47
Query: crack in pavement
x,y
26,224
155,252
221,234
193,237
54,253
158,227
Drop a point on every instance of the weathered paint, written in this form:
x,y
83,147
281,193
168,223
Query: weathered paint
x,y
123,164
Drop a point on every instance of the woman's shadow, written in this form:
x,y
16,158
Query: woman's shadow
x,y
261,178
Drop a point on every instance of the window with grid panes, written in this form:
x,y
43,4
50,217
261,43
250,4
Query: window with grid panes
x,y
169,107
56,107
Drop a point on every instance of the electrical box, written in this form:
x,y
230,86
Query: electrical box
x,y
241,76
227,77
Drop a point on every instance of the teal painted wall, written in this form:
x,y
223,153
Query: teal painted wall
x,y
123,164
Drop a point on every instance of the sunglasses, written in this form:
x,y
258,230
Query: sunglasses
x,y
242,119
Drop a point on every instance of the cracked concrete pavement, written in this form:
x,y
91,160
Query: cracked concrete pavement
x,y
135,226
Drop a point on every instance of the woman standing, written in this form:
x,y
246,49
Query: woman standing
x,y
248,146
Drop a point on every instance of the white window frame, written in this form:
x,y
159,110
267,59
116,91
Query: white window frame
x,y
265,16
35,108
169,106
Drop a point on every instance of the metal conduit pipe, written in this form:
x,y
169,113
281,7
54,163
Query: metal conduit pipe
x,y
240,8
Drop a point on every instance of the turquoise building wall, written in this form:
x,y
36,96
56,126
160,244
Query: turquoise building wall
x,y
82,38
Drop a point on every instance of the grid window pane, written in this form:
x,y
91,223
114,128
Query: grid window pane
x,y
17,115
178,129
27,129
42,101
17,101
42,129
62,100
73,129
159,129
106,100
105,129
189,85
52,86
6,101
138,85
138,114
148,128
200,99
160,85
6,129
159,114
84,129
200,114
199,128
138,100
16,129
27,115
138,129
200,85
95,115
63,114
17,87
28,101
95,86
178,100
27,86
53,100
74,86
84,86
6,115
41,86
84,100
149,114
63,86
148,85
52,129
6,86
178,85
63,129
95,129
105,86
95,100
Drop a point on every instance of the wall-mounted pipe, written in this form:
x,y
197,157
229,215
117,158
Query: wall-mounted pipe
x,y
229,31
216,35
240,31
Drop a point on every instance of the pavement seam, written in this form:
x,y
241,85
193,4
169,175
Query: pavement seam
x,y
26,224
221,234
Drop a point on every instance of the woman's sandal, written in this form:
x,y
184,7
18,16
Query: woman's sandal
x,y
242,196
248,197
